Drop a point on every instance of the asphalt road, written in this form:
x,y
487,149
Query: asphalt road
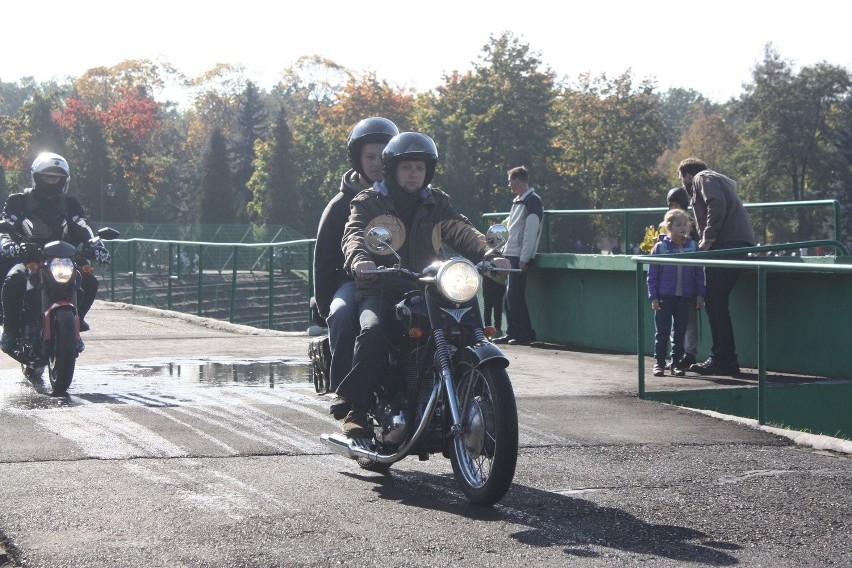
x,y
188,442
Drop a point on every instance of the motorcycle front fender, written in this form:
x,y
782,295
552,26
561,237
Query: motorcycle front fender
x,y
47,330
476,355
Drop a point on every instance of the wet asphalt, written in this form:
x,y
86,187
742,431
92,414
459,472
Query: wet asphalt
x,y
162,454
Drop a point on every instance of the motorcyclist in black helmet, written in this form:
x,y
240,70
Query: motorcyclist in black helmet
x,y
334,289
419,218
41,214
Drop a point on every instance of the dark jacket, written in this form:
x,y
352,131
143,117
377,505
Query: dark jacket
x,y
719,213
47,220
435,221
328,256
662,279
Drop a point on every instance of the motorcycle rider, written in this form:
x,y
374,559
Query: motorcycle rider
x,y
334,289
419,218
41,214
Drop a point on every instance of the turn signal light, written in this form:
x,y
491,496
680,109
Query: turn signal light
x,y
87,268
489,331
32,266
415,333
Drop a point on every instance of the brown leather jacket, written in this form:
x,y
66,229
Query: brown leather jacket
x,y
435,222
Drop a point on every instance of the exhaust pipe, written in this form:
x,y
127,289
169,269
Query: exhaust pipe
x,y
360,448
353,448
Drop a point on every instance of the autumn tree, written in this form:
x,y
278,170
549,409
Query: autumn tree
x,y
215,190
251,126
498,116
89,158
786,121
275,200
45,135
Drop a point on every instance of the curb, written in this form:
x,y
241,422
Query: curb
x,y
205,322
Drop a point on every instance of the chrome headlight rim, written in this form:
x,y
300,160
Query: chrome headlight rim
x,y
62,269
458,280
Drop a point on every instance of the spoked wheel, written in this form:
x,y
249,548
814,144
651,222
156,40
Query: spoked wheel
x,y
485,453
61,363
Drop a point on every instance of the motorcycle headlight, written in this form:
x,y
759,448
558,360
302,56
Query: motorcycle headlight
x,y
62,269
458,280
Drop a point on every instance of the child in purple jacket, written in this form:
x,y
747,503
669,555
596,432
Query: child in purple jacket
x,y
673,291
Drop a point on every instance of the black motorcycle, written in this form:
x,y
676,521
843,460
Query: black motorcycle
x,y
50,325
446,389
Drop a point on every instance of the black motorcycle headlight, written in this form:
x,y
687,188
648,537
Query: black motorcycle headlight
x,y
458,280
62,269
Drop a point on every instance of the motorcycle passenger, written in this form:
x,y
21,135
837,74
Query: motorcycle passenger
x,y
419,218
334,289
41,214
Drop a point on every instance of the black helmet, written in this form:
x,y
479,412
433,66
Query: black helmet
x,y
410,146
50,175
679,196
370,130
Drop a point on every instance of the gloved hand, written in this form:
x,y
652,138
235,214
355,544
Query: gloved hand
x,y
10,249
100,252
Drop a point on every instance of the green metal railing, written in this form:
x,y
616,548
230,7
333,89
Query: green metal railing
x,y
630,214
763,267
194,256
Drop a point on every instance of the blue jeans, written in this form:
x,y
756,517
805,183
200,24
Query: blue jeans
x,y
342,330
371,352
518,321
671,320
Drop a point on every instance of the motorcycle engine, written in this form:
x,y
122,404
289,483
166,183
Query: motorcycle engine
x,y
393,424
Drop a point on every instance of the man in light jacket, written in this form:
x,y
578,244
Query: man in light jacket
x,y
525,221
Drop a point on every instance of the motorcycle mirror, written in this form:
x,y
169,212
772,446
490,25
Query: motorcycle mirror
x,y
379,239
108,233
497,236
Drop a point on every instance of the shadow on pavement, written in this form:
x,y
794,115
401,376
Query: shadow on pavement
x,y
557,520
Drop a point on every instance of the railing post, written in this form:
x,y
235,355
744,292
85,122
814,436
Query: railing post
x,y
547,232
200,270
270,304
233,284
112,274
627,222
310,278
133,272
837,227
640,326
761,345
169,293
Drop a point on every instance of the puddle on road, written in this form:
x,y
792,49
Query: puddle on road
x,y
223,373
104,383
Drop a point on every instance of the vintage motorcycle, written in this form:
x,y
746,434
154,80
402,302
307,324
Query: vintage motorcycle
x,y
50,325
446,388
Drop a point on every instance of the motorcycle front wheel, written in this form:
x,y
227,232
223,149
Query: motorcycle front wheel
x,y
61,363
485,453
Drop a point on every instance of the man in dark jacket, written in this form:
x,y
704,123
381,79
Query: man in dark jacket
x,y
419,217
722,223
334,289
42,214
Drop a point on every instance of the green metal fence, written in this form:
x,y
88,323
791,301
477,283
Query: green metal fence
x,y
233,281
652,216
763,268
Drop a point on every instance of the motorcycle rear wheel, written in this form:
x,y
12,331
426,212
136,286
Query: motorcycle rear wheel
x,y
484,455
61,363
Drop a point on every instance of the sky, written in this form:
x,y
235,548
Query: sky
x,y
710,47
